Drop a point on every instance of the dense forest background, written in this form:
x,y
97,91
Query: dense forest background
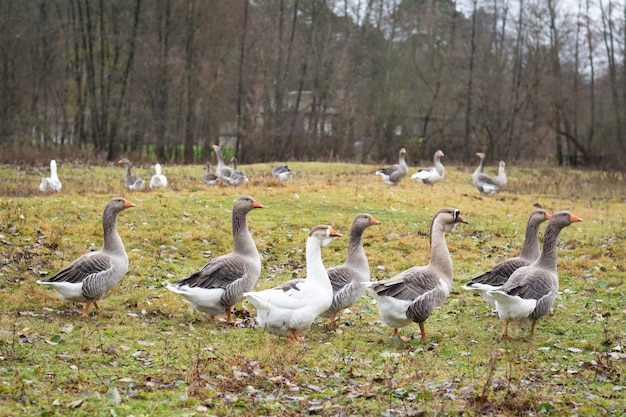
x,y
278,80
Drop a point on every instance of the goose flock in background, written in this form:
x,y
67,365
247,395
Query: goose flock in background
x,y
522,288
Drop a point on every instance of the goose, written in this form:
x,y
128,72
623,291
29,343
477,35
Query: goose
x,y
236,177
51,183
209,177
293,306
282,172
530,291
433,174
88,278
222,171
393,174
133,182
482,181
500,179
499,274
348,279
158,180
220,284
412,295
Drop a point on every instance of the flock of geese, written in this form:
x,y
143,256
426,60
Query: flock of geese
x,y
231,176
393,174
522,288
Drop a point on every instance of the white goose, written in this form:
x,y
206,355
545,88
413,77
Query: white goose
x,y
133,182
220,284
51,183
394,173
530,291
348,279
499,274
433,174
294,305
87,279
482,181
158,180
500,179
282,172
412,295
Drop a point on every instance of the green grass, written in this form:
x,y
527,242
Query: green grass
x,y
148,354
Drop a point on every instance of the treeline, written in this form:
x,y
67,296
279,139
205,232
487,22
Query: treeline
x,y
278,80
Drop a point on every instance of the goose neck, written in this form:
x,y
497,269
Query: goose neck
x,y
439,255
356,254
315,270
112,239
548,256
243,242
531,250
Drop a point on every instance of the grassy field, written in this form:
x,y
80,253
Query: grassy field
x,y
147,354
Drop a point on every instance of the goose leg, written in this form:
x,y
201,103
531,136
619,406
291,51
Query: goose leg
x,y
293,337
86,309
332,323
229,316
532,328
422,330
506,330
95,303
395,332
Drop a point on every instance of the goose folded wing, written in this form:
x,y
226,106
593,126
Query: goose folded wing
x,y
409,285
218,273
84,267
532,286
500,273
340,277
389,170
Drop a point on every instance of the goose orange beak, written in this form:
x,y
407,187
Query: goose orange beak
x,y
334,233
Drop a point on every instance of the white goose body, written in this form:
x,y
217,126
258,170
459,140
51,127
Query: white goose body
x,y
293,306
413,295
530,291
482,181
394,173
133,182
282,172
499,274
500,179
348,280
220,284
51,183
91,276
158,180
433,174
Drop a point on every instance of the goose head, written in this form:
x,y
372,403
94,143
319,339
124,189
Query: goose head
x,y
450,217
324,234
